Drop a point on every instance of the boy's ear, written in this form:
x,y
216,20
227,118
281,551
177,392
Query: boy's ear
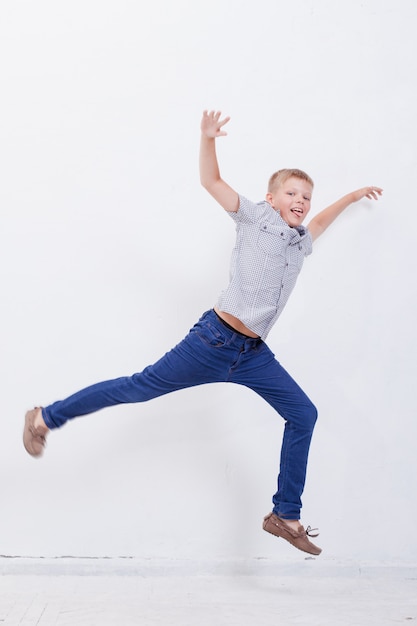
x,y
268,198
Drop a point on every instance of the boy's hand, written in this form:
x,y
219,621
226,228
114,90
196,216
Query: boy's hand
x,y
371,193
211,124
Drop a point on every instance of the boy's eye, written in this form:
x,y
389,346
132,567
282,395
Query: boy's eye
x,y
307,198
290,193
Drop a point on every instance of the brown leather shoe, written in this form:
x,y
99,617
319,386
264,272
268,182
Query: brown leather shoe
x,y
34,439
298,538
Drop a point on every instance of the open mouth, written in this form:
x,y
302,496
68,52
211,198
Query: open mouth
x,y
298,212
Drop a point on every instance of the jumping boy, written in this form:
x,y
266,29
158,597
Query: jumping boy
x,y
227,344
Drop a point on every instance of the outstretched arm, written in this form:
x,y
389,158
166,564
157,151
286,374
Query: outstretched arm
x,y
211,128
320,222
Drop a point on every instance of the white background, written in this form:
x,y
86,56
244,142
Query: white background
x,y
110,251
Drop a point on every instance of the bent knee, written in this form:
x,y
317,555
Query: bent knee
x,y
304,417
311,415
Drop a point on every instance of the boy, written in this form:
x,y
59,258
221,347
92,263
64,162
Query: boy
x,y
228,344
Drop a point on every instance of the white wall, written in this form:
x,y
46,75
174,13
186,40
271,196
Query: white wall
x,y
110,250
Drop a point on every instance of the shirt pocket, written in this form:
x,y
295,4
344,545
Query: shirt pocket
x,y
272,239
296,255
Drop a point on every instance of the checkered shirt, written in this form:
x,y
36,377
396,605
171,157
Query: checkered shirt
x,y
266,260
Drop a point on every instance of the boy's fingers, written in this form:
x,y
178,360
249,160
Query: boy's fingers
x,y
374,192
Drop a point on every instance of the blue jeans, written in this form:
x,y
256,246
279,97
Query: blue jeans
x,y
212,353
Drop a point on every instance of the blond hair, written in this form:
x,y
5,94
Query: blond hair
x,y
278,178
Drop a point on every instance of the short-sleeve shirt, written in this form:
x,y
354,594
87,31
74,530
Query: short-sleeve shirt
x,y
266,260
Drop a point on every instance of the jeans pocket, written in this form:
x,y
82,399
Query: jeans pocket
x,y
210,334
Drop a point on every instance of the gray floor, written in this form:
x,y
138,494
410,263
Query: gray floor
x,y
124,592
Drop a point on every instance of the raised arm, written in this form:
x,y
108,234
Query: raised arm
x,y
211,128
320,222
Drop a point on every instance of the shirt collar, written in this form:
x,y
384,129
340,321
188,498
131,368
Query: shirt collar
x,y
298,232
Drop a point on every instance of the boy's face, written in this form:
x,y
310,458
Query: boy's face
x,y
292,199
